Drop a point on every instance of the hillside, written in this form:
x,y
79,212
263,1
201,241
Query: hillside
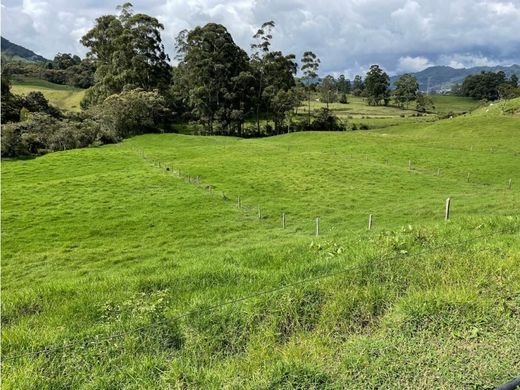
x,y
16,52
126,265
64,97
439,78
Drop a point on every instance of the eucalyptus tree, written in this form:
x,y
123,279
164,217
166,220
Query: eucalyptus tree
x,y
310,65
358,86
128,53
274,77
259,59
328,90
214,75
344,84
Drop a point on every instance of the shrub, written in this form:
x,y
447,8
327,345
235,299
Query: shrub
x,y
41,133
326,120
133,112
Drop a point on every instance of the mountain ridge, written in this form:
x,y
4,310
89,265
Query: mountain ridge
x,y
441,77
16,52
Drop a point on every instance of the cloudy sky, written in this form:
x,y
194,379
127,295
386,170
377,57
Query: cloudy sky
x,y
348,35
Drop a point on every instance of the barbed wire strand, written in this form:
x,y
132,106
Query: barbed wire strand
x,y
97,339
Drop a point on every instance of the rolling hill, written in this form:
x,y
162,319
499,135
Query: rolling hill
x,y
162,262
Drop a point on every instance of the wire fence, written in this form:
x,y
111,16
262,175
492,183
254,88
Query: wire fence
x,y
309,221
93,340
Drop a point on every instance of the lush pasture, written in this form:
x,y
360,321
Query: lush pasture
x,y
62,96
358,112
105,249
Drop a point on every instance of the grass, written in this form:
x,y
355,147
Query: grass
x,y
101,240
358,112
64,97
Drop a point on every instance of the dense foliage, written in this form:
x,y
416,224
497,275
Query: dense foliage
x,y
64,69
490,86
406,90
32,127
377,86
215,85
128,53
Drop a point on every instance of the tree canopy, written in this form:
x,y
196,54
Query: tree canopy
x,y
128,53
406,89
377,85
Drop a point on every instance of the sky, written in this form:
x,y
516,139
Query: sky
x,y
347,35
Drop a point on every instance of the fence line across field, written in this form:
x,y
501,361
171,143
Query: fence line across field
x,y
197,180
99,338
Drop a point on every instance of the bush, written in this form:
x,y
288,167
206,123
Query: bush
x,y
40,133
133,112
327,121
35,101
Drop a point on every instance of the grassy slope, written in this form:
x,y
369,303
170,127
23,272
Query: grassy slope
x,y
62,96
358,112
101,240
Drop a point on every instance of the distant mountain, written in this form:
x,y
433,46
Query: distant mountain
x,y
442,78
16,52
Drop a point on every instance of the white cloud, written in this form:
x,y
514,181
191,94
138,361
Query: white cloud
x,y
413,64
468,60
348,36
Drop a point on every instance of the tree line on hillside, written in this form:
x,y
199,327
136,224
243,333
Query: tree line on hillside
x,y
216,86
65,69
375,88
489,86
135,89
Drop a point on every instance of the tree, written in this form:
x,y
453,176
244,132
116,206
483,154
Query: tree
x,y
328,90
514,80
128,53
310,66
213,72
65,60
484,85
259,64
274,77
507,91
424,103
358,86
406,89
344,85
11,104
377,86
279,78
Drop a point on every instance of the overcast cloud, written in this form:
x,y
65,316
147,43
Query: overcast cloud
x,y
348,35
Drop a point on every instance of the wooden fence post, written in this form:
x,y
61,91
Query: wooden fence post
x,y
409,165
509,183
317,226
370,222
238,201
283,220
259,213
447,209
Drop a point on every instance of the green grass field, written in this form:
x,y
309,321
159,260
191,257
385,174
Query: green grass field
x,y
358,112
114,267
64,97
